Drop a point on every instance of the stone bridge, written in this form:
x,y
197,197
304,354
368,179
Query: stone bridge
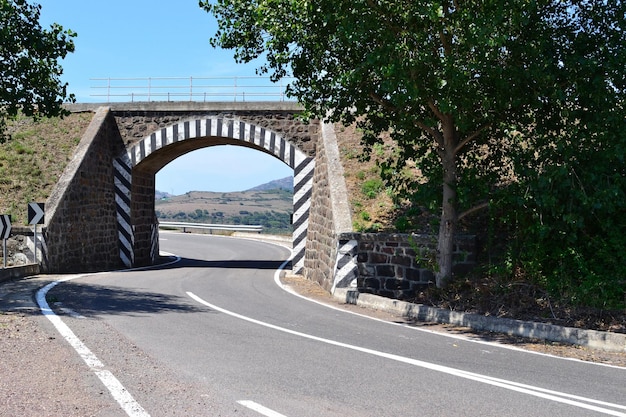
x,y
102,214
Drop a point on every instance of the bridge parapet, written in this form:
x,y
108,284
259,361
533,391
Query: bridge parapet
x,y
137,120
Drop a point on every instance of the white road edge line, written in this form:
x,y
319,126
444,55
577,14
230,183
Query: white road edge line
x,y
419,329
260,409
513,386
115,387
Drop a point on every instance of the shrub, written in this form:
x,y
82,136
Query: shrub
x,y
371,188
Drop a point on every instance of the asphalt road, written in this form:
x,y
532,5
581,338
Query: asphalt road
x,y
214,335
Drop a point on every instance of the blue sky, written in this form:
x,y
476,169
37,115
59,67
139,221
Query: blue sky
x,y
142,38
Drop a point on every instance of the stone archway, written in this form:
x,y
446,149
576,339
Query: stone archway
x,y
134,179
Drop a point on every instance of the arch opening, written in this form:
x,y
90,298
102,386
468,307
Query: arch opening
x,y
135,180
220,168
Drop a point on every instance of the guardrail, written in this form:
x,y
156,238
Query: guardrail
x,y
210,227
191,88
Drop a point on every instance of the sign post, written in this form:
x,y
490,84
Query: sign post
x,y
35,217
5,232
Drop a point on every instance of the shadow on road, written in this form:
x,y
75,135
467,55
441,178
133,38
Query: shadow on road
x,y
93,300
236,264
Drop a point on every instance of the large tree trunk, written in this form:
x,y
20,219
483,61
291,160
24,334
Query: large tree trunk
x,y
447,227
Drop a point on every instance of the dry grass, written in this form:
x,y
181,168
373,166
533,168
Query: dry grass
x,y
33,159
371,204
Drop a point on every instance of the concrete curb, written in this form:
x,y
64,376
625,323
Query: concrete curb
x,y
611,342
21,271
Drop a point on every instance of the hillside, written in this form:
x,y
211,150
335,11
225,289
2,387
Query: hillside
x,y
33,159
268,207
281,184
371,205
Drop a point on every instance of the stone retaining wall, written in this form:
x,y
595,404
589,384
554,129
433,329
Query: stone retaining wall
x,y
329,214
81,220
396,265
321,240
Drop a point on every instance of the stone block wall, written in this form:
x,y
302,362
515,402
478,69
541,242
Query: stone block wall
x,y
81,231
329,214
321,239
396,265
144,218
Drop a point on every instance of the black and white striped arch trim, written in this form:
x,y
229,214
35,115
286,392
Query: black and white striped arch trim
x,y
218,127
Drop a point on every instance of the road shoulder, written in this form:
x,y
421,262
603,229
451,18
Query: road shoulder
x,y
312,290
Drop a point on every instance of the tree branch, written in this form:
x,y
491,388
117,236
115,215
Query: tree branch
x,y
445,42
471,137
473,209
432,132
433,107
384,103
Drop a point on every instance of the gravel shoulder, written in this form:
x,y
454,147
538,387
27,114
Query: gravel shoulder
x,y
40,374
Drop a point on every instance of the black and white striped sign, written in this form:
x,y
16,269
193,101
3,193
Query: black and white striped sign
x,y
5,226
35,213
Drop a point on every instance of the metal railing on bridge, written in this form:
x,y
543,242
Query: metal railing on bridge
x,y
201,89
211,227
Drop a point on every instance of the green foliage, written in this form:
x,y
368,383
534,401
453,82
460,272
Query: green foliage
x,y
502,101
349,153
567,219
29,69
402,224
372,187
358,226
379,150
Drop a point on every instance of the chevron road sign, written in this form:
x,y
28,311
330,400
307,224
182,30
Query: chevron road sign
x,y
5,226
35,217
5,232
35,213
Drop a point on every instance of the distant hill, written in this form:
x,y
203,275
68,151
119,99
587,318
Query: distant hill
x,y
160,195
269,204
281,184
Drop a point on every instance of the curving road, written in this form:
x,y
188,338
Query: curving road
x,y
214,335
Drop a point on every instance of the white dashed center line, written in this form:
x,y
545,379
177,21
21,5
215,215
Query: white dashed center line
x,y
260,409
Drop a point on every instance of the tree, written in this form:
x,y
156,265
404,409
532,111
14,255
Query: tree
x,y
29,67
455,83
